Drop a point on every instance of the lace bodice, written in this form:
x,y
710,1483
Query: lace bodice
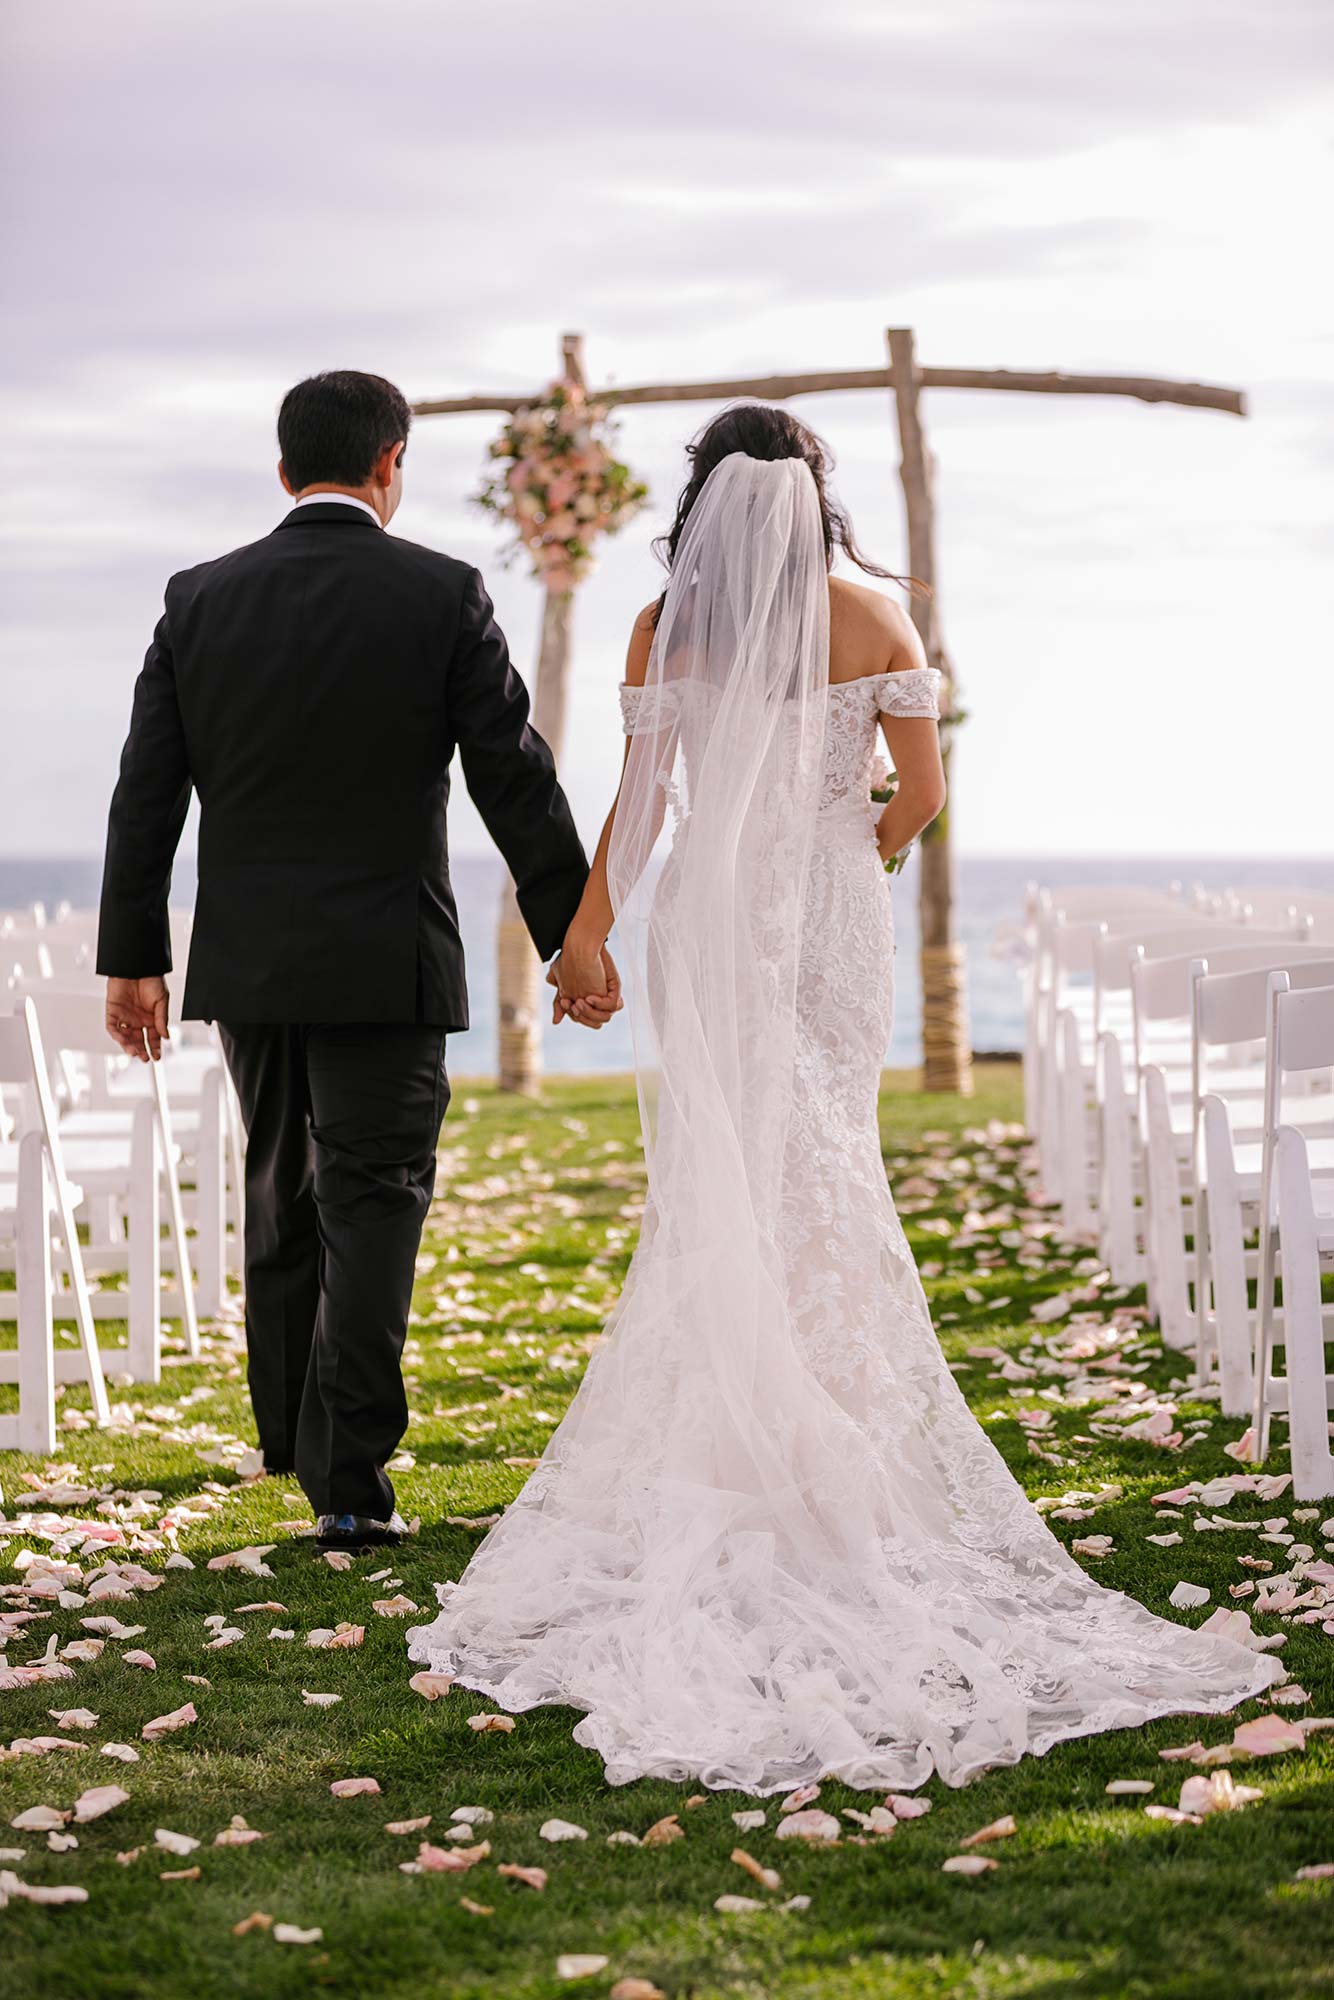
x,y
855,708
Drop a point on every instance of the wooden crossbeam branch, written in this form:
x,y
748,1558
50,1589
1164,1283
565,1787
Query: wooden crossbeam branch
x,y
776,388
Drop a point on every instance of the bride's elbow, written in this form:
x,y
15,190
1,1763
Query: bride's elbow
x,y
929,798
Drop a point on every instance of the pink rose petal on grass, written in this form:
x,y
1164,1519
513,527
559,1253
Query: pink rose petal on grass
x,y
353,1788
99,1799
139,1659
1268,1736
39,1819
80,1650
408,1825
293,1934
251,1560
431,1686
999,1829
968,1864
111,1628
810,1825
485,1725
450,1860
37,1892
166,1725
904,1807
1319,1871
1214,1794
804,1795
237,1834
768,1878
532,1878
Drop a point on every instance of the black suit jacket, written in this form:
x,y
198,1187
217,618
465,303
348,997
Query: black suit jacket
x,y
312,688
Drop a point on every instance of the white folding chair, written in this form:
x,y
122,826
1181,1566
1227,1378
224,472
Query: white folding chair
x,y
1045,911
1162,1061
1229,1010
1296,1238
37,1225
109,1148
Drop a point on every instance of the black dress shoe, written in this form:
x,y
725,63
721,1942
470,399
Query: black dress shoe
x,y
355,1532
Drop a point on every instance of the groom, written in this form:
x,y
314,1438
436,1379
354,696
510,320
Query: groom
x,y
312,688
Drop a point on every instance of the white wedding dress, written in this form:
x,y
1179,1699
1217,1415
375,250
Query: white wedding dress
x,y
769,1542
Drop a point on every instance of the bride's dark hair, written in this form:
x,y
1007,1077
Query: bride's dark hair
x,y
761,431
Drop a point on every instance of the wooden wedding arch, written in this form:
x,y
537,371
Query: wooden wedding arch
x,y
947,1054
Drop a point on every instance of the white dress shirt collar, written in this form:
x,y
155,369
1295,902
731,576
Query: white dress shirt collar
x,y
336,500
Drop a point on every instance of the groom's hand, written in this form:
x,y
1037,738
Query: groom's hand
x,y
137,1016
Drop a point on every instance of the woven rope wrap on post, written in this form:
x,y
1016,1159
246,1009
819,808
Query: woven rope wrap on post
x,y
947,1056
519,973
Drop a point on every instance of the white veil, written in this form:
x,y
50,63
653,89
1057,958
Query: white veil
x,y
726,738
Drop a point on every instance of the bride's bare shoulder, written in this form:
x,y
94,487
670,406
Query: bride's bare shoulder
x,y
641,644
869,632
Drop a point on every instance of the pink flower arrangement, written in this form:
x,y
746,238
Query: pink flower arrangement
x,y
559,485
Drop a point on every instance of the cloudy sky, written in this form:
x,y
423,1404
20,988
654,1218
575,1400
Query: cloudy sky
x,y
203,202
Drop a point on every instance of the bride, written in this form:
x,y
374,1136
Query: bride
x,y
769,1542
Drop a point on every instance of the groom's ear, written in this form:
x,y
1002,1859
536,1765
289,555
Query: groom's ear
x,y
390,460
282,474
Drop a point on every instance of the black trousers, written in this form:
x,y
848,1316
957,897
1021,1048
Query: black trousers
x,y
341,1124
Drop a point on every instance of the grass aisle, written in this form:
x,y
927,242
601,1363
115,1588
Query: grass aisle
x,y
527,1245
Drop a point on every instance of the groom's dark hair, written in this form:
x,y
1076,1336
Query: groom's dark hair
x,y
332,428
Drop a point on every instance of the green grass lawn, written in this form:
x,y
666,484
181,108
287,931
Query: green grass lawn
x,y
535,1217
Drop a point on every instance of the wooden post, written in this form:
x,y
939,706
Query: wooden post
x,y
947,1060
520,987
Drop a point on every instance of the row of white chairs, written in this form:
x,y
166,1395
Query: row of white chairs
x,y
120,1183
1179,1081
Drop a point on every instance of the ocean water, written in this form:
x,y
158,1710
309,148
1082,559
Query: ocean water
x,y
990,910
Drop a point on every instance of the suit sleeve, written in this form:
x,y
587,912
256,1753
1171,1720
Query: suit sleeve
x,y
511,775
148,810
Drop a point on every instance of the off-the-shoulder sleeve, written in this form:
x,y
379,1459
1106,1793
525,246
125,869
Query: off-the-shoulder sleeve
x,y
916,692
644,709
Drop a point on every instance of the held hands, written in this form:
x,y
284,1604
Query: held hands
x,y
588,986
137,1016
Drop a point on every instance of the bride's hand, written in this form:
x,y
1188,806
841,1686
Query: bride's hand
x,y
588,986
